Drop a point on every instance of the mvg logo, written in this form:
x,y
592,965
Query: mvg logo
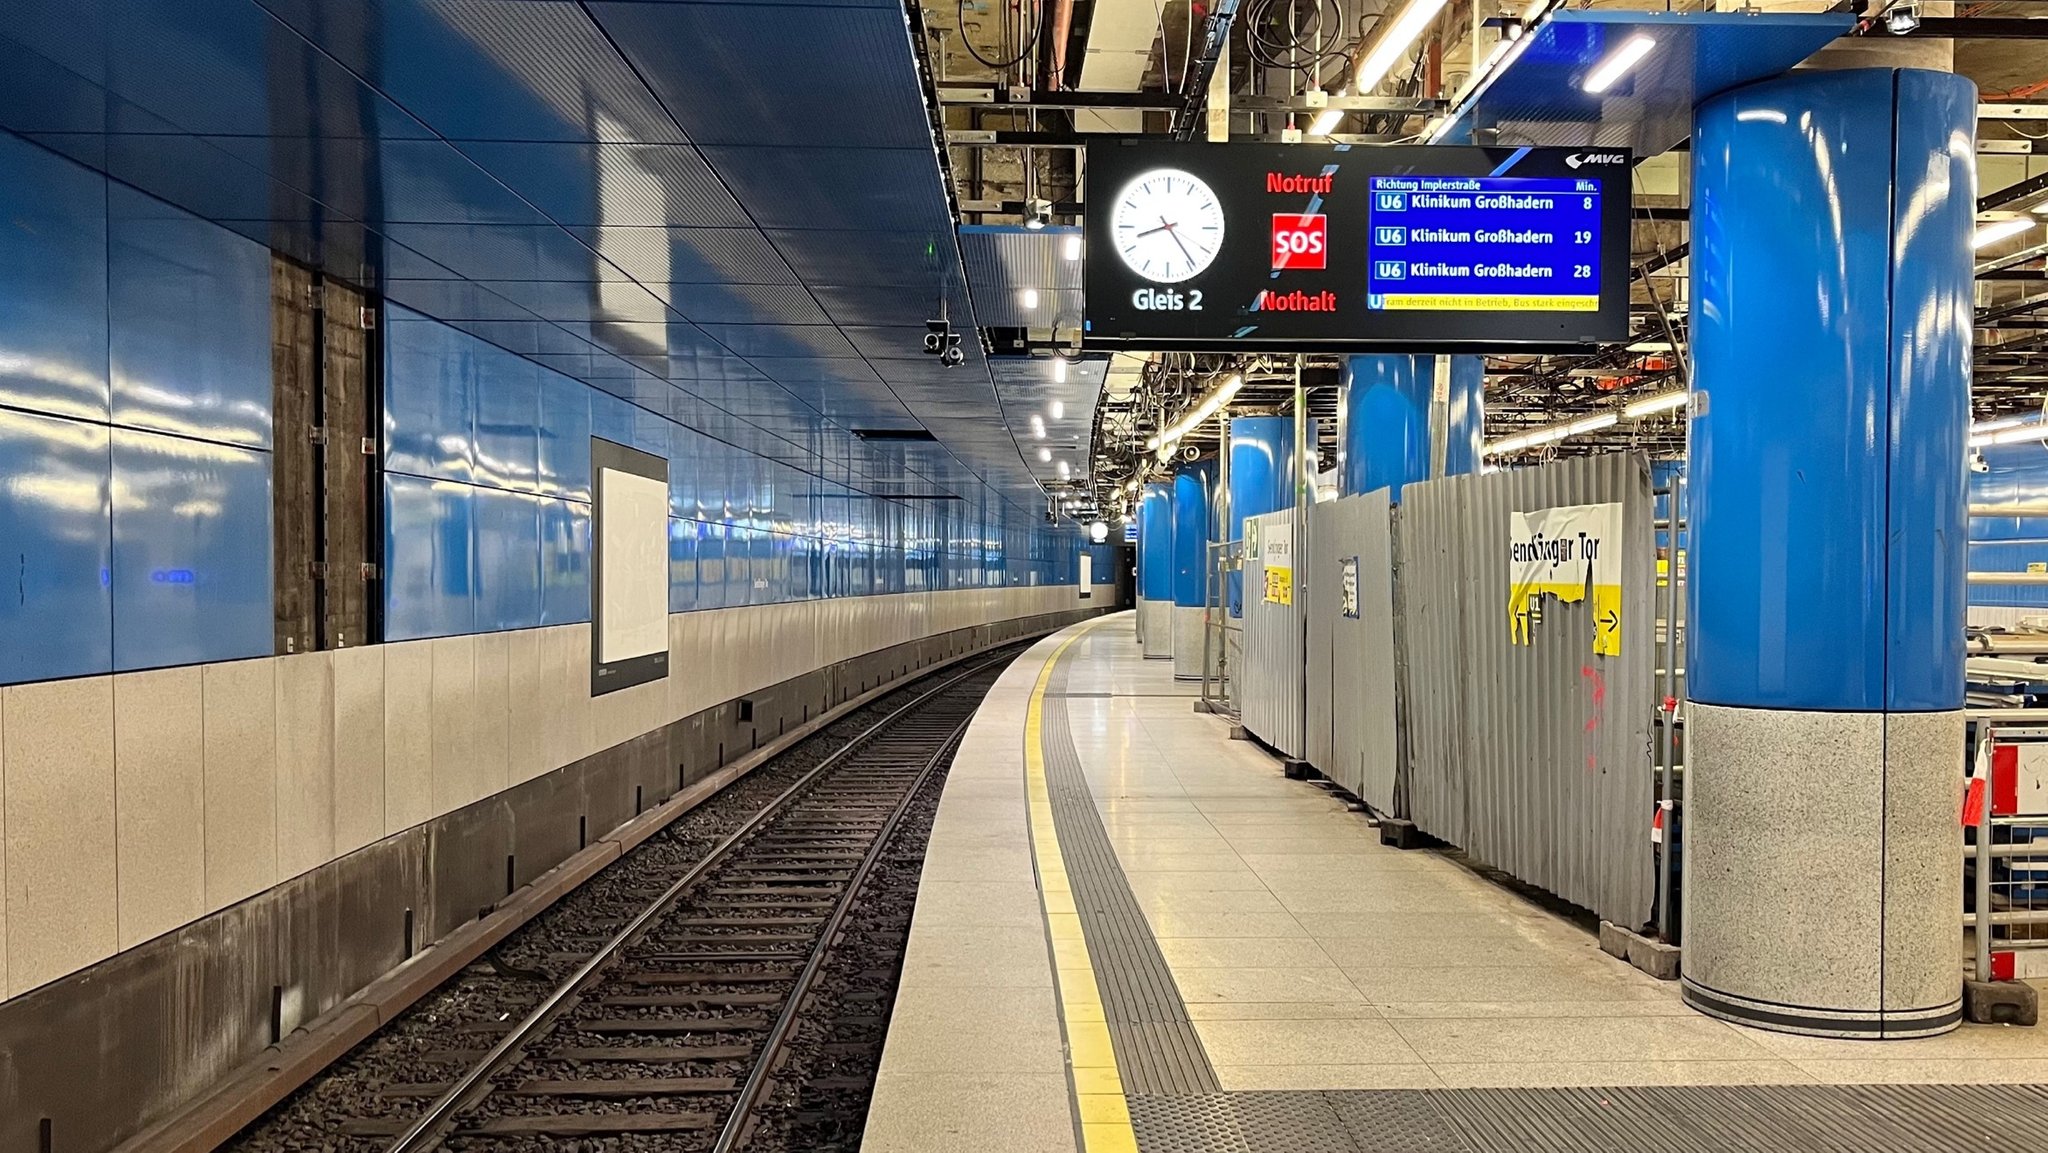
x,y
1390,201
1390,269
1578,158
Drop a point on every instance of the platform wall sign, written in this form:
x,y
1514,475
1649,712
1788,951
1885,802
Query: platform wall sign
x,y
1562,552
629,567
1420,248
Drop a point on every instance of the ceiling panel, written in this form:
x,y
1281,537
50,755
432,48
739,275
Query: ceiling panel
x,y
611,184
690,255
752,340
871,189
822,55
918,257
745,303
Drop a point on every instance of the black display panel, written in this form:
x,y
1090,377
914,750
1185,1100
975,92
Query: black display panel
x,y
1306,247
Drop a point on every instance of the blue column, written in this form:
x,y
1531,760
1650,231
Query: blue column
x,y
1261,480
1155,570
1192,485
1832,301
1467,434
1386,420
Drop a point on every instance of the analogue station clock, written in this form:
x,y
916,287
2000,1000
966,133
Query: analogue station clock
x,y
1168,225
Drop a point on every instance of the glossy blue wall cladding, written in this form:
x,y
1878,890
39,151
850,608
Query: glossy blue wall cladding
x,y
1831,336
487,491
1193,485
135,352
1155,542
2015,474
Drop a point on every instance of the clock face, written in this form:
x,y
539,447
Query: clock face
x,y
1168,225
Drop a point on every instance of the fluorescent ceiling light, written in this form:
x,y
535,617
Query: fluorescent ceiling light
x,y
1059,409
1030,297
1044,454
1999,230
1618,63
1592,423
1407,27
2002,422
2013,435
1326,120
1649,405
1650,346
1073,246
1038,426
1151,442
1063,475
1059,374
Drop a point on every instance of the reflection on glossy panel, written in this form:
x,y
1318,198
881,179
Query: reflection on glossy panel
x,y
507,421
564,562
190,342
55,549
507,549
53,278
564,437
429,590
682,564
191,573
429,398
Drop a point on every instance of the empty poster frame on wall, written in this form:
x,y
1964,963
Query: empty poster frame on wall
x,y
628,567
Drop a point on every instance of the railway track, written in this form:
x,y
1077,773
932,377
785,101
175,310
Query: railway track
x,y
688,1003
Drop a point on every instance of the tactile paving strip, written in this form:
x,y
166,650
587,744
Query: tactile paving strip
x,y
1679,1119
1157,1050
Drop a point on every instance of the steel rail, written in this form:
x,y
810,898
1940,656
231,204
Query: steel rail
x,y
427,1130
738,1126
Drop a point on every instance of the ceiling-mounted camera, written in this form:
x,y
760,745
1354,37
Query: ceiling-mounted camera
x,y
941,341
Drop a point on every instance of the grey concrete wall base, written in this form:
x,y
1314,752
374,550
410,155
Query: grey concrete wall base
x,y
1823,883
1155,625
1657,958
2001,1002
1187,643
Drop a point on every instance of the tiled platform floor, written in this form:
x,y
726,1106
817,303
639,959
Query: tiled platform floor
x,y
1308,955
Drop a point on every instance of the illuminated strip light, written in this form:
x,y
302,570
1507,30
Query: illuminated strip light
x,y
1326,121
2009,434
1407,28
1652,405
1999,230
1618,63
2006,422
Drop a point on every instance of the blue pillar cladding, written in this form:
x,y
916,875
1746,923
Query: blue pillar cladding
x,y
1466,439
1155,570
1261,481
1191,531
1832,310
1832,337
1386,422
1193,520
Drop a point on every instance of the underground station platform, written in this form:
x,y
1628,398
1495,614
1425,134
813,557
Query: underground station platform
x,y
1135,932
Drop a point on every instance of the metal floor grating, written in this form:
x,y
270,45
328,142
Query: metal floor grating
x,y
1157,1050
1678,1119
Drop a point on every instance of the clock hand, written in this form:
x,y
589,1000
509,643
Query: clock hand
x,y
1162,228
1178,244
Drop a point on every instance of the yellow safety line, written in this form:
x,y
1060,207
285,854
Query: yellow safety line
x,y
1099,1103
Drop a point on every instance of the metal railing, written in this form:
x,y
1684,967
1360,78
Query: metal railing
x,y
1222,638
2008,914
1670,706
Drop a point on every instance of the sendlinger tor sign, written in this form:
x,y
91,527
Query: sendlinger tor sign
x,y
1559,552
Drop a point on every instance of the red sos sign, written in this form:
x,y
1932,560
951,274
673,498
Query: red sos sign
x,y
1300,241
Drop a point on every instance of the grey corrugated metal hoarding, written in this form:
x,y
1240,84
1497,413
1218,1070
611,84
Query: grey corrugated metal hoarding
x,y
1351,686
1273,668
1533,758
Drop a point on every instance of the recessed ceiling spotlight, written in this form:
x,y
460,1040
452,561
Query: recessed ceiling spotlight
x,y
1072,249
1044,454
1058,408
1059,370
1030,298
1037,426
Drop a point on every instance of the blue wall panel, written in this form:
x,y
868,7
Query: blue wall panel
x,y
564,437
189,341
564,562
53,282
57,617
507,443
192,569
429,398
507,548
427,542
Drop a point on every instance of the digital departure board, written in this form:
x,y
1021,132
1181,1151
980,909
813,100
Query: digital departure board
x,y
1334,247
